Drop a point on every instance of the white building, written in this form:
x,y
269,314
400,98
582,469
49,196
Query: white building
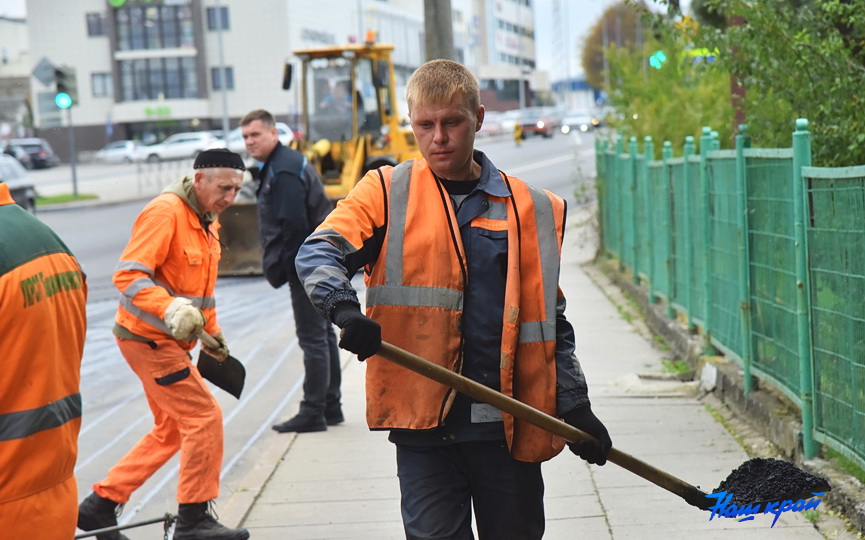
x,y
149,68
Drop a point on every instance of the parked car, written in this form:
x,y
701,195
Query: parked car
x,y
18,153
41,153
22,189
119,152
179,146
235,138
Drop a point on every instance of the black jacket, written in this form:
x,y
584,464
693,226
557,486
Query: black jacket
x,y
291,204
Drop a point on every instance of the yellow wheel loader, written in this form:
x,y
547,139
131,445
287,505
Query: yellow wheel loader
x,y
350,125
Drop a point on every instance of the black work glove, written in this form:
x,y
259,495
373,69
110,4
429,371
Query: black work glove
x,y
360,334
584,419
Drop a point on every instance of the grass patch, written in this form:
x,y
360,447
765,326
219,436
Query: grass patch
x,y
844,463
674,366
811,515
65,198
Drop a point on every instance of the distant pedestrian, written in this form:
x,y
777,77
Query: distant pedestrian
x,y
291,204
43,321
462,266
166,276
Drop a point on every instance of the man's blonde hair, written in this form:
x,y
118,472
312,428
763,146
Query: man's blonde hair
x,y
438,80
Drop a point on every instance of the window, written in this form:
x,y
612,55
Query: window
x,y
101,84
216,77
95,24
155,78
215,16
154,27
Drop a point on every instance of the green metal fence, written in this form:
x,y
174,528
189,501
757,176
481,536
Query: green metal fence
x,y
762,254
836,250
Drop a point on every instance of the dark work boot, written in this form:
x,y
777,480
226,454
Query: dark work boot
x,y
195,522
97,512
303,423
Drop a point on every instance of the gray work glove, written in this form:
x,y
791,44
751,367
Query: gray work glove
x,y
584,419
360,334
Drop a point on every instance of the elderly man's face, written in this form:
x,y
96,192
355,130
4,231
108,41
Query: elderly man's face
x,y
216,188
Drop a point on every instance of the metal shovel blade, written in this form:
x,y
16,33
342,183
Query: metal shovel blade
x,y
228,374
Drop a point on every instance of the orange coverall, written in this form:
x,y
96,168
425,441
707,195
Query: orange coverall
x,y
170,254
42,328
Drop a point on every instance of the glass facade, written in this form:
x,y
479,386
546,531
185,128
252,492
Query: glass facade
x,y
158,78
154,27
161,29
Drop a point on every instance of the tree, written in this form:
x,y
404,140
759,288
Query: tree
x,y
620,23
674,100
799,58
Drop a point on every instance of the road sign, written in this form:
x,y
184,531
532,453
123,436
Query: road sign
x,y
44,72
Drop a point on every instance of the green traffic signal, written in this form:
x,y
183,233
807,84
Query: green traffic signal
x,y
63,100
657,59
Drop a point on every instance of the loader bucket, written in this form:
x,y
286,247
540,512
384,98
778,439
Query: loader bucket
x,y
240,236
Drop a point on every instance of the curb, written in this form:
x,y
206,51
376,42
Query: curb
x,y
774,417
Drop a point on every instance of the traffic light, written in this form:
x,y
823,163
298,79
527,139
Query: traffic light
x,y
66,84
657,59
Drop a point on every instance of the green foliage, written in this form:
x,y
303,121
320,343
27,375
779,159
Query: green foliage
x,y
618,25
674,101
798,59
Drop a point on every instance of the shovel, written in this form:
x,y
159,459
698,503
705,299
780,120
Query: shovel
x,y
228,374
691,494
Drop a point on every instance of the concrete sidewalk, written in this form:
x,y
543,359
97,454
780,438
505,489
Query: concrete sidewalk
x,y
342,483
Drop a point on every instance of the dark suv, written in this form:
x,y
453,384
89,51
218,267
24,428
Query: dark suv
x,y
41,153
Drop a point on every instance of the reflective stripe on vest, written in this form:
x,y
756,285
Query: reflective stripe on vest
x,y
22,424
545,330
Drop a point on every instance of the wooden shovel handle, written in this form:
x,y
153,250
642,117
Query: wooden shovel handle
x,y
208,340
518,409
211,343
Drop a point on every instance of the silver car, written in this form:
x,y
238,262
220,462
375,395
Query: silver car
x,y
119,152
22,189
179,146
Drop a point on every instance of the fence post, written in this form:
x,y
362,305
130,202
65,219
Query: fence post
x,y
648,155
632,151
716,143
666,155
707,143
688,151
619,214
743,140
802,158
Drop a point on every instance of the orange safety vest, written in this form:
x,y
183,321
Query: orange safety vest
x,y
415,291
43,322
169,254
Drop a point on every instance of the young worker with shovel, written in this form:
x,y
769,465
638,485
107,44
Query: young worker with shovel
x,y
462,269
166,276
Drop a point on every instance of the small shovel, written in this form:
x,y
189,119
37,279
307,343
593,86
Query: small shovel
x,y
691,494
228,374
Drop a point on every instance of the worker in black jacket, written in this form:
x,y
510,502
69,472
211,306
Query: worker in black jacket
x,y
291,204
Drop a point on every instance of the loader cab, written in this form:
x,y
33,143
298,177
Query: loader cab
x,y
350,117
342,99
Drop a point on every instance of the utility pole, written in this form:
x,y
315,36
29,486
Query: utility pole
x,y
439,29
223,76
